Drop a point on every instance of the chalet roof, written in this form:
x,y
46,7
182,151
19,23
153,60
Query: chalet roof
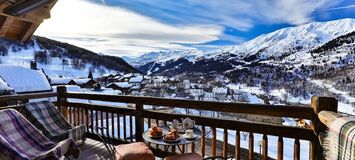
x,y
118,77
172,79
24,80
121,84
160,79
107,75
220,90
81,81
109,91
135,88
137,79
58,81
4,88
128,75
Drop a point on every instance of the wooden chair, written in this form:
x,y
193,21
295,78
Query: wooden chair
x,y
19,139
51,122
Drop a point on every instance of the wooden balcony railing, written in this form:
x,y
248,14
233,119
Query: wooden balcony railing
x,y
126,124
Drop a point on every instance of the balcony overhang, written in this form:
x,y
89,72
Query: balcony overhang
x,y
19,19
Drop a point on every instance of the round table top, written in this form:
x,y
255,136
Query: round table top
x,y
182,141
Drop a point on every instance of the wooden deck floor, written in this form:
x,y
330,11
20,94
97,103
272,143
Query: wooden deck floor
x,y
92,150
95,150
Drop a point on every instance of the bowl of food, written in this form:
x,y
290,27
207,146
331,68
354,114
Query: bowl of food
x,y
155,132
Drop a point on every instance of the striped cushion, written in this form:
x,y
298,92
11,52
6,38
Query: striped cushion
x,y
49,120
340,140
20,140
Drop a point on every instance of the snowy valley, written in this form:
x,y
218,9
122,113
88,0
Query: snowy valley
x,y
287,66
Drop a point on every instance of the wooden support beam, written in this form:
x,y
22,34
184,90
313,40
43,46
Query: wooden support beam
x,y
28,32
321,104
61,90
6,26
139,122
327,117
2,21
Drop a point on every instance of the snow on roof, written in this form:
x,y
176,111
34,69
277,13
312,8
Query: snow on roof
x,y
160,78
4,87
128,75
118,76
137,79
60,80
121,84
23,79
103,91
136,87
81,81
110,91
220,90
172,79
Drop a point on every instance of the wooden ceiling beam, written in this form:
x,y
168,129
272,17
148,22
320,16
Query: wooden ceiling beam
x,y
21,26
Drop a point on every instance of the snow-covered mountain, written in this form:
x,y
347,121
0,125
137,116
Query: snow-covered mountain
x,y
293,39
291,45
60,59
163,56
312,59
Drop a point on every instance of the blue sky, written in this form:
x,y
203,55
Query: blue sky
x,y
134,27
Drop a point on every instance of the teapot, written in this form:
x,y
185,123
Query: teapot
x,y
176,124
188,123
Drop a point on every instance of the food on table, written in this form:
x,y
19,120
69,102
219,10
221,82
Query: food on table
x,y
172,135
155,131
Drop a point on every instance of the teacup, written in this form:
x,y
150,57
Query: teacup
x,y
189,133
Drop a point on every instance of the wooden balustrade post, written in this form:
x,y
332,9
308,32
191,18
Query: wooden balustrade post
x,y
61,99
139,122
320,104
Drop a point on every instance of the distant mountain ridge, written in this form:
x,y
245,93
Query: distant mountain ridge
x,y
163,56
291,45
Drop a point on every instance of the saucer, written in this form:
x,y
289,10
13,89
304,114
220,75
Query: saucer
x,y
190,138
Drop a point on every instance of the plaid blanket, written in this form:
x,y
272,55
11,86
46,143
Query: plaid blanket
x,y
339,143
20,140
51,122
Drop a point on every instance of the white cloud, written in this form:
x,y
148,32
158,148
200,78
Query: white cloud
x,y
294,12
238,14
115,30
342,7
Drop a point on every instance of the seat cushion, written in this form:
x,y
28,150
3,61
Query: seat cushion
x,y
188,156
50,121
19,139
134,151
